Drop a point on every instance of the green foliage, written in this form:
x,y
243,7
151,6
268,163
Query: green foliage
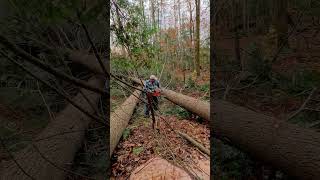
x,y
190,83
126,133
137,150
136,33
204,87
47,11
122,65
300,80
305,118
232,163
178,111
310,7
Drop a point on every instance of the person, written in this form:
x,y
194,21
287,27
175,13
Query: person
x,y
151,86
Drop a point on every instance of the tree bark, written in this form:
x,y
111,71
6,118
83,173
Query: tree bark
x,y
54,143
197,59
120,118
280,21
236,35
286,146
201,108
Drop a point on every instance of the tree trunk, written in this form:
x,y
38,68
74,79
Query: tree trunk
x,y
191,29
120,118
201,108
59,149
236,35
280,21
293,149
197,59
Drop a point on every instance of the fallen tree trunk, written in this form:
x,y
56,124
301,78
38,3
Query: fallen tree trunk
x,y
120,119
286,146
48,155
201,108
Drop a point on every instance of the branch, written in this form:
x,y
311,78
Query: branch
x,y
99,120
35,61
195,143
303,106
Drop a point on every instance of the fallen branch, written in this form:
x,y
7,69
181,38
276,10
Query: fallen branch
x,y
303,106
195,143
35,61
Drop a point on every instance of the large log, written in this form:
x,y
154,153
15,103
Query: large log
x,y
201,108
291,148
120,119
54,143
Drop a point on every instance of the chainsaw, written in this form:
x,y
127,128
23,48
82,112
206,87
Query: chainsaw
x,y
155,93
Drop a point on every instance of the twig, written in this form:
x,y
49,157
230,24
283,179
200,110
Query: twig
x,y
45,103
195,143
314,124
35,61
58,92
303,106
162,70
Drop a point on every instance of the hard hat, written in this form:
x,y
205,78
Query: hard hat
x,y
152,77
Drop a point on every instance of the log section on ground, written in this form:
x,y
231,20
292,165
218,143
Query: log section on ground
x,y
120,119
293,149
54,146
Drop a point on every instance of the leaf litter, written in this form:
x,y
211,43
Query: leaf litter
x,y
143,143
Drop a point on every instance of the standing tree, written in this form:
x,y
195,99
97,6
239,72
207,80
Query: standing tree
x,y
280,21
197,63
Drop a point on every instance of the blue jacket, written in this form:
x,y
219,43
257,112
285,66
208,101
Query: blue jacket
x,y
149,87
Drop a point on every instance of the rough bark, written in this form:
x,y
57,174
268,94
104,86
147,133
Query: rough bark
x,y
120,119
201,108
283,145
59,149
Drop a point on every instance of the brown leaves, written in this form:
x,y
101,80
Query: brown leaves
x,y
146,143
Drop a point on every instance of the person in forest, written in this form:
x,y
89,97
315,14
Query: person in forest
x,y
152,88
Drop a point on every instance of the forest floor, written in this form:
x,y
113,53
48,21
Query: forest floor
x,y
140,143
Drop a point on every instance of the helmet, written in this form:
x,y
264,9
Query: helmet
x,y
153,77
